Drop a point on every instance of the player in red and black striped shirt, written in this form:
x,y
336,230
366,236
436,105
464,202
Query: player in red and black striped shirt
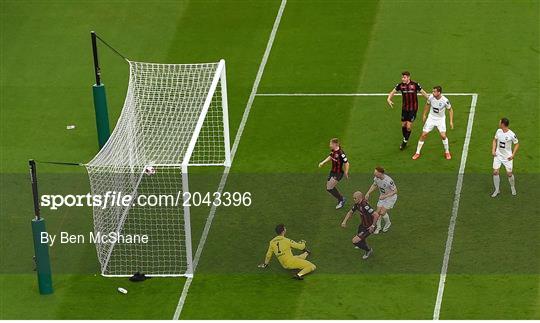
x,y
368,218
340,167
409,107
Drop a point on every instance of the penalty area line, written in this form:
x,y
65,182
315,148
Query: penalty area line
x,y
455,209
459,183
234,148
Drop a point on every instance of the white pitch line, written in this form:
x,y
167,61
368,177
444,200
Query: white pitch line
x,y
348,94
455,208
234,148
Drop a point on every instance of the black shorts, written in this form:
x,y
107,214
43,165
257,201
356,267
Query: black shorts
x,y
408,115
337,176
363,232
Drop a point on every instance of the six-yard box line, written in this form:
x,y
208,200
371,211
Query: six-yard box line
x,y
459,183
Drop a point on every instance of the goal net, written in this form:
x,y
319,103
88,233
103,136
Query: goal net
x,y
174,116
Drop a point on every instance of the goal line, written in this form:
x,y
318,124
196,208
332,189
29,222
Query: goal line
x,y
459,183
234,148
350,94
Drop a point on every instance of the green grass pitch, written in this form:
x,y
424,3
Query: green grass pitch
x,y
487,47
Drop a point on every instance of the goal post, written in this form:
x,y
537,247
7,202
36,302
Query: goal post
x,y
225,108
187,223
219,77
175,116
219,80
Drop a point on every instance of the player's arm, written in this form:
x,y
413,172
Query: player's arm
x,y
390,96
425,112
388,194
371,189
326,160
346,165
267,258
347,217
298,245
494,147
451,114
516,147
424,94
345,162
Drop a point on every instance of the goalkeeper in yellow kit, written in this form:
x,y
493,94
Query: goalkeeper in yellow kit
x,y
281,247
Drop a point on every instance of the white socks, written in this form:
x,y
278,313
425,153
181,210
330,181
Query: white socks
x,y
445,144
419,146
385,217
496,182
387,223
512,182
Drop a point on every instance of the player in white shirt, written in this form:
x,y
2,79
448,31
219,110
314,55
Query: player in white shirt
x,y
436,104
502,152
387,197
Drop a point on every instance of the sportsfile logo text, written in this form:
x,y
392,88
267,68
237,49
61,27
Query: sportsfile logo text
x,y
118,199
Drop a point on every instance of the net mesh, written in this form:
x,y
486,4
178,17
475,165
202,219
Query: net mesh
x,y
162,109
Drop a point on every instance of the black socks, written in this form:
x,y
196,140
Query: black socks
x,y
362,245
406,133
334,191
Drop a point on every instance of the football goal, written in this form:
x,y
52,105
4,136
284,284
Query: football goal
x,y
174,116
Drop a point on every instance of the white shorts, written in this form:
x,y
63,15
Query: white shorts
x,y
434,122
498,160
388,202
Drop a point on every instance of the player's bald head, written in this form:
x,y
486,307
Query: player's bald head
x,y
358,196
